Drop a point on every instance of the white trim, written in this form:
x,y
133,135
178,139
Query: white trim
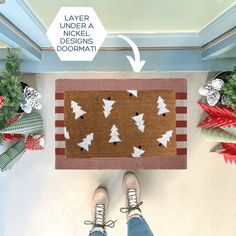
x,y
60,144
181,116
59,130
181,130
181,102
59,102
59,116
181,144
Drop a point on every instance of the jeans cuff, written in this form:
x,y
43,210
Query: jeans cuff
x,y
98,229
134,216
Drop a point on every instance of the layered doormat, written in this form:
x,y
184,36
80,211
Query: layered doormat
x,y
121,124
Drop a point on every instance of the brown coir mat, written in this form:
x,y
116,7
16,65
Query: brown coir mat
x,y
106,148
128,133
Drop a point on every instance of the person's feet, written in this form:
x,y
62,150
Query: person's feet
x,y
99,206
131,188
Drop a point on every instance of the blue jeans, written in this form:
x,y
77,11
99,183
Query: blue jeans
x,y
137,226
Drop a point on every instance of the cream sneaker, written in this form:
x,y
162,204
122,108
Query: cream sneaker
x,y
131,188
99,207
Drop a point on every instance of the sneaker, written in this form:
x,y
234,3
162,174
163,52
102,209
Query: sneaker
x,y
132,190
99,207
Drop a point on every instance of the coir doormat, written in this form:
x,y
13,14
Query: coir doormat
x,y
121,124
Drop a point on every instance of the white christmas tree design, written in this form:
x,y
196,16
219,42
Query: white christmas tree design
x,y
66,133
77,110
165,138
137,152
114,135
133,92
107,107
87,141
139,121
162,110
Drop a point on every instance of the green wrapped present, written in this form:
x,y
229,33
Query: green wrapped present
x,y
28,124
11,155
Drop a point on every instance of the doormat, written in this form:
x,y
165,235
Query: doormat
x,y
121,124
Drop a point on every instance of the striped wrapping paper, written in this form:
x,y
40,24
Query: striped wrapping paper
x,y
179,161
9,157
29,123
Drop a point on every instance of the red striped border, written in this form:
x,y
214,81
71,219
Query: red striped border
x,y
179,137
59,96
181,110
181,95
181,123
172,162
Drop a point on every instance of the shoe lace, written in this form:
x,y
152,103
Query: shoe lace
x,y
133,204
99,220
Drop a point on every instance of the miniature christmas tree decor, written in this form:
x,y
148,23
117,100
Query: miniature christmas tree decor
x,y
137,152
165,138
86,142
133,93
107,107
218,135
162,110
66,133
228,150
139,121
114,135
77,110
217,117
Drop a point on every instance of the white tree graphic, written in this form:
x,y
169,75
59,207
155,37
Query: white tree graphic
x,y
165,138
107,107
133,92
87,141
137,152
162,110
77,110
66,133
139,121
114,135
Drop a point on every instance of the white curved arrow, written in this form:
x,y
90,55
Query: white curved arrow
x,y
135,63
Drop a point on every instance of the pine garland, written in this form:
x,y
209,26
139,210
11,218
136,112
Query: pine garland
x,y
10,88
229,89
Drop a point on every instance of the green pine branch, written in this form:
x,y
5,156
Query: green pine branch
x,y
229,89
10,87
